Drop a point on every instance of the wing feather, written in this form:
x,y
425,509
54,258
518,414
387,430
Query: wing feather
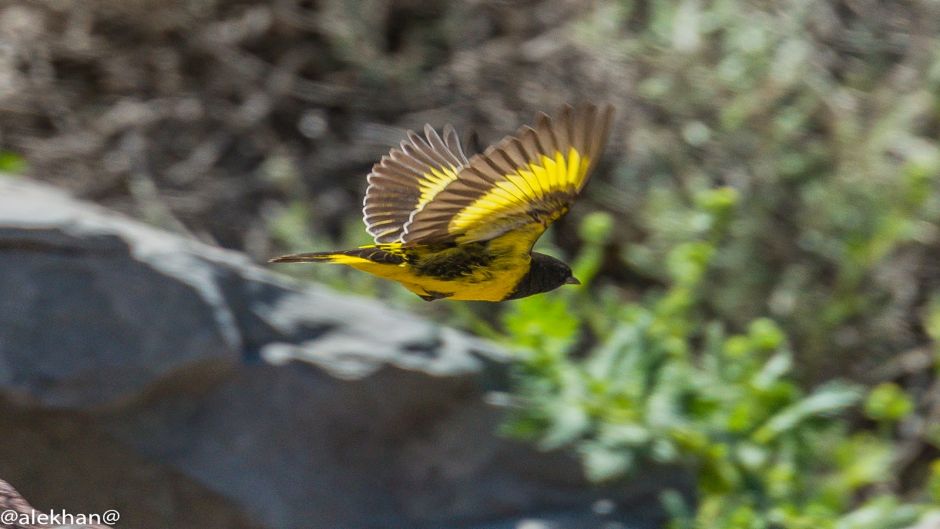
x,y
524,182
409,177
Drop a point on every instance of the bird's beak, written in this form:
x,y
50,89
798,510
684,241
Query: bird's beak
x,y
572,281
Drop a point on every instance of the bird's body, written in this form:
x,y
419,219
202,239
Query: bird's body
x,y
463,229
485,271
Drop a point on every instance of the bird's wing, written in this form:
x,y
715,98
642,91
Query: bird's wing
x,y
523,183
407,178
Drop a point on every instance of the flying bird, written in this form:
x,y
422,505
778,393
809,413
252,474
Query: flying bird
x,y
451,227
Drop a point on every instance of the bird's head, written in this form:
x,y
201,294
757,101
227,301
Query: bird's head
x,y
545,273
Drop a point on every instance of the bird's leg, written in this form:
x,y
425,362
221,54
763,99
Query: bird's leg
x,y
433,296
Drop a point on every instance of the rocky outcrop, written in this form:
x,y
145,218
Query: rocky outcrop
x,y
186,387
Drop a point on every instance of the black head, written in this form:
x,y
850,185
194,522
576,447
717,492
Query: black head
x,y
545,273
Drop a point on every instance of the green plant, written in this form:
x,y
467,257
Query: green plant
x,y
665,383
834,154
11,162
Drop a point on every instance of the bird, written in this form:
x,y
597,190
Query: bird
x,y
447,226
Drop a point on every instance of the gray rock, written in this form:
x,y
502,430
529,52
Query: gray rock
x,y
122,305
290,405
63,460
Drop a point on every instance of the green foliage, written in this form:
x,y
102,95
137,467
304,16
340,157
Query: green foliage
x,y
834,157
13,163
663,382
888,402
799,267
933,484
932,322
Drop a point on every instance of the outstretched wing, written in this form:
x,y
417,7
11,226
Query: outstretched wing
x,y
523,183
408,178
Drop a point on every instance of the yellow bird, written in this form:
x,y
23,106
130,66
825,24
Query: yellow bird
x,y
448,226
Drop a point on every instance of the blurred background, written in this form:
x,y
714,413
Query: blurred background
x,y
760,242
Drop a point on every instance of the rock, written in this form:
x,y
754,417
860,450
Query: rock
x,y
929,521
63,460
25,515
196,389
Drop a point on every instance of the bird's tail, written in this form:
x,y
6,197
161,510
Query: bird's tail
x,y
312,257
368,254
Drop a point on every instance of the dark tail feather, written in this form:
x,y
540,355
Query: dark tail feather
x,y
313,257
375,255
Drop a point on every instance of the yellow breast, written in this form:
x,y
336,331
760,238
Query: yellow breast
x,y
492,282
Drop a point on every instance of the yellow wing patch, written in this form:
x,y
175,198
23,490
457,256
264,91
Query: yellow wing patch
x,y
529,178
433,182
543,183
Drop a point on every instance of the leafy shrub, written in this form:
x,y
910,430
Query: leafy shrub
x,y
805,110
664,383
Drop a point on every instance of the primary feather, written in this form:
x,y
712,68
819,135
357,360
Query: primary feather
x,y
525,181
408,178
